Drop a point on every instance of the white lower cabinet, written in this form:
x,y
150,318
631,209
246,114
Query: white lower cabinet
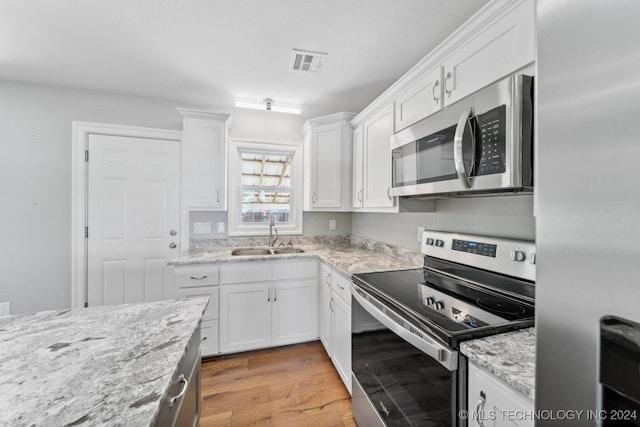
x,y
494,403
281,308
193,281
335,320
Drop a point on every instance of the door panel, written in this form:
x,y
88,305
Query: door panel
x,y
245,316
295,311
133,203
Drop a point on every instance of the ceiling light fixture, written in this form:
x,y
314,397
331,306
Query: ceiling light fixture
x,y
267,105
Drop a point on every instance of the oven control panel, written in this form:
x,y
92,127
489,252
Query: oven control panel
x,y
507,256
455,309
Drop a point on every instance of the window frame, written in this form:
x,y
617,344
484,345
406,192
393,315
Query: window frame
x,y
234,213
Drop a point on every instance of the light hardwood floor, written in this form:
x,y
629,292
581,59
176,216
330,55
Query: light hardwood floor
x,y
295,385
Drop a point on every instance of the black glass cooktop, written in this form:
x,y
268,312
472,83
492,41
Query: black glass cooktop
x,y
453,310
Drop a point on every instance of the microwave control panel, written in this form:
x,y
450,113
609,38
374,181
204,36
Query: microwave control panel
x,y
491,144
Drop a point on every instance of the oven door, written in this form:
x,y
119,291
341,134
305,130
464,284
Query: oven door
x,y
394,382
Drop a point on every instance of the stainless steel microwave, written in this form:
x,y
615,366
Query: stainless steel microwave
x,y
479,145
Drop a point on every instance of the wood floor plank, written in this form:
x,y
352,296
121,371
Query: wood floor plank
x,y
285,386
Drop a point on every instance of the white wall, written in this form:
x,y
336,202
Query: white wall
x,y
502,216
35,176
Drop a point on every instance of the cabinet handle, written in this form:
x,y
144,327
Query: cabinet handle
x,y
331,304
433,91
328,280
384,409
480,409
313,197
446,85
185,384
341,287
218,196
275,295
198,278
360,196
268,295
388,194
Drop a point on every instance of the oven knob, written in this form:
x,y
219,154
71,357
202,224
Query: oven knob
x,y
429,300
517,256
439,305
429,241
439,243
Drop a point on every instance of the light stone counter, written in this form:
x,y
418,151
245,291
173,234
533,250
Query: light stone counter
x,y
107,365
349,257
510,356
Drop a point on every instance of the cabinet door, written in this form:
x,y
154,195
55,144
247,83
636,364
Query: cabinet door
x,y
420,100
326,146
325,309
502,48
494,400
358,164
245,316
342,339
203,164
377,159
295,311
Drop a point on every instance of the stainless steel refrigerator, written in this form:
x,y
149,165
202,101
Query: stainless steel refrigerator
x,y
587,201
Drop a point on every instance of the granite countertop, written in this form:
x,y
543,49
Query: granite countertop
x,y
108,365
347,259
510,356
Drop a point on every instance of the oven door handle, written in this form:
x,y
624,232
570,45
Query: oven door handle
x,y
445,356
464,175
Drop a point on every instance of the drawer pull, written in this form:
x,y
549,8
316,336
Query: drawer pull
x,y
185,384
341,287
198,278
204,338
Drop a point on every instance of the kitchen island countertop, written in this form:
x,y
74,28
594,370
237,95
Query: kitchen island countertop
x,y
510,356
110,365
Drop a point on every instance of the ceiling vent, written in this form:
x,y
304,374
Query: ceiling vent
x,y
307,61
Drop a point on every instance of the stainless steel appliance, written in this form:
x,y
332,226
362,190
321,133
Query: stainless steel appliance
x,y
407,369
587,221
481,144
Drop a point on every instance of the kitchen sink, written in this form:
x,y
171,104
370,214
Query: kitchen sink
x,y
251,251
287,251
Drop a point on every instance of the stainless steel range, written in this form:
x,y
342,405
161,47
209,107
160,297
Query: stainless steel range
x,y
408,324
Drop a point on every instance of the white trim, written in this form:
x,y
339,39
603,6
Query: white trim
x,y
80,137
297,177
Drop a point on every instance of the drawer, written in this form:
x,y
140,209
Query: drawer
x,y
196,275
306,269
209,340
245,272
341,286
206,291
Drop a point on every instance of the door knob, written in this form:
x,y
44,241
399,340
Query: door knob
x,y
172,245
173,232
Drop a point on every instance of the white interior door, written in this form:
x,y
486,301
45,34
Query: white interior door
x,y
133,204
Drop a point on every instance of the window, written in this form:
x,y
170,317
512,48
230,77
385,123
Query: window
x,y
264,179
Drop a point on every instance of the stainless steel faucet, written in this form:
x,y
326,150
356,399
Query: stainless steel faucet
x,y
272,223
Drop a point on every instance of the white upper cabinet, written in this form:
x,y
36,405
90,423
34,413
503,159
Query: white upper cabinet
x,y
327,154
494,51
203,159
358,165
376,161
419,100
496,41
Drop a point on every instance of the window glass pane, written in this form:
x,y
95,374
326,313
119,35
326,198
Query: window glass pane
x,y
265,187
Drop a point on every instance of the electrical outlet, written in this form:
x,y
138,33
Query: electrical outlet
x,y
420,231
201,228
220,227
5,308
332,224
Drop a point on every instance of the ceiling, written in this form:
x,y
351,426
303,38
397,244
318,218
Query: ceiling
x,y
209,52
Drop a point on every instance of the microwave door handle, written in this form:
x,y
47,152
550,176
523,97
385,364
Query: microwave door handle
x,y
458,153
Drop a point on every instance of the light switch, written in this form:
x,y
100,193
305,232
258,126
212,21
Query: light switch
x,y
5,308
420,231
220,227
332,224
